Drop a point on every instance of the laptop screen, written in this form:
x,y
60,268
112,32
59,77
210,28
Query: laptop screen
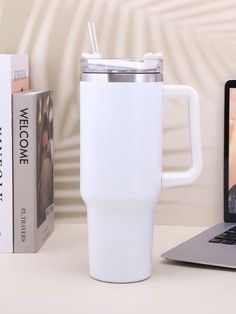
x,y
232,152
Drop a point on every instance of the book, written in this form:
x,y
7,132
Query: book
x,y
14,76
33,169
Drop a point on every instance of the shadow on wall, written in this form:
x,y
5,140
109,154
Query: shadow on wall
x,y
197,40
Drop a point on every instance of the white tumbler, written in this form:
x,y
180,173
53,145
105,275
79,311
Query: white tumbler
x,y
121,160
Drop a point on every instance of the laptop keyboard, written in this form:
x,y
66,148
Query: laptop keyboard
x,y
227,237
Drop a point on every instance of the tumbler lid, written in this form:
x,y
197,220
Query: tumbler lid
x,y
150,63
97,69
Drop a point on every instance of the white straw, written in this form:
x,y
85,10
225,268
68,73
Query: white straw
x,y
93,37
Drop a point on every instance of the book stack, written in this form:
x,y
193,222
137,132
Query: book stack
x,y
26,159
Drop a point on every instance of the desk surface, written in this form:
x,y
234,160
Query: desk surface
x,y
56,280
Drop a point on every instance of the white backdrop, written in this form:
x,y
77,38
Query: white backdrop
x,y
197,38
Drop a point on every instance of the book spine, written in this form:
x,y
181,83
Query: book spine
x,y
45,184
13,77
24,147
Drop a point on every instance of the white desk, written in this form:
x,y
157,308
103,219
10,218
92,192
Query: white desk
x,y
56,281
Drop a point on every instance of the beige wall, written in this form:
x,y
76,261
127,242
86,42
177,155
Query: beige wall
x,y
197,39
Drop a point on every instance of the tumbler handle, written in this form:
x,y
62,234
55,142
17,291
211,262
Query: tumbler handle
x,y
170,179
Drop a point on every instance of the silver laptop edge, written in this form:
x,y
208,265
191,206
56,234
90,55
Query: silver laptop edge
x,y
198,249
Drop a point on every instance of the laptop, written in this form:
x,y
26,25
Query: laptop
x,y
217,245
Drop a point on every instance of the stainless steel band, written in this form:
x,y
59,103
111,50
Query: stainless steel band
x,y
121,77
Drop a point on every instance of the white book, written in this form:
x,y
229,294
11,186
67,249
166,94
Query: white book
x,y
33,169
14,76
